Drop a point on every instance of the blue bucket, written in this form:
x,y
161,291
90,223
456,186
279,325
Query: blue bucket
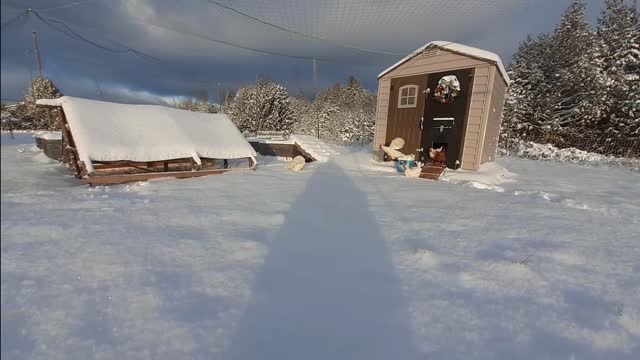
x,y
399,163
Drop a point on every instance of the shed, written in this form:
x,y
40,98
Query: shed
x,y
110,143
466,122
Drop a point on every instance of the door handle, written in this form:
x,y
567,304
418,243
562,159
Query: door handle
x,y
421,122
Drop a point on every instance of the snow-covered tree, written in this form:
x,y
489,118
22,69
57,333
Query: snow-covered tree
x,y
34,117
263,107
342,113
304,122
8,119
195,105
359,118
576,78
528,108
619,33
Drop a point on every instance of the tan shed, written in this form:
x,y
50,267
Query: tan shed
x,y
464,118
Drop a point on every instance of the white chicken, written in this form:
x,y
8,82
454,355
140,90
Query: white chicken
x,y
392,150
413,172
297,163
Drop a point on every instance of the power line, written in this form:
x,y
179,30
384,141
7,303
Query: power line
x,y
71,33
229,43
300,33
16,19
65,5
62,27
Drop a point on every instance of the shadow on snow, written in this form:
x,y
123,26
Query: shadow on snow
x,y
327,289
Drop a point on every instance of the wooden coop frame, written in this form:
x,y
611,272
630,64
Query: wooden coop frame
x,y
124,171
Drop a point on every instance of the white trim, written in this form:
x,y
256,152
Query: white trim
x,y
485,119
408,96
460,48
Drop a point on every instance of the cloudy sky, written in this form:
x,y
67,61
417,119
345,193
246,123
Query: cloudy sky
x,y
154,50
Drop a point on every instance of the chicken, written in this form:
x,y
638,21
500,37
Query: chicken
x,y
438,156
412,172
392,150
297,163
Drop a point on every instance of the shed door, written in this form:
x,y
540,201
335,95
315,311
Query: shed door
x,y
444,122
405,114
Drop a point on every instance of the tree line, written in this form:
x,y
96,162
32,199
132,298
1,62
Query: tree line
x,y
578,81
343,113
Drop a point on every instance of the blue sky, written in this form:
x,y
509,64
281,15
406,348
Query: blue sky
x,y
180,37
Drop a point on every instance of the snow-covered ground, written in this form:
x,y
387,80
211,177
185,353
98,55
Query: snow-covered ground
x,y
535,151
343,260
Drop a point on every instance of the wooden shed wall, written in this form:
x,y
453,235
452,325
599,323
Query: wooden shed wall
x,y
382,109
494,122
477,117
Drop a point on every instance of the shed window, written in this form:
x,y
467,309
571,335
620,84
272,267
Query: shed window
x,y
408,96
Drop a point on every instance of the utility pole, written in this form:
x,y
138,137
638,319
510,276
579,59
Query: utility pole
x,y
221,97
36,48
315,74
315,93
26,54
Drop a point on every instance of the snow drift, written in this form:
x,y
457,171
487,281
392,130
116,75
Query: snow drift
x,y
535,151
105,131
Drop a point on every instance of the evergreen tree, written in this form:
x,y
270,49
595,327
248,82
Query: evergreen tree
x,y
34,117
619,33
195,105
304,121
528,109
576,78
359,113
324,112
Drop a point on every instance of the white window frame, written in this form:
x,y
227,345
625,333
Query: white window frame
x,y
414,97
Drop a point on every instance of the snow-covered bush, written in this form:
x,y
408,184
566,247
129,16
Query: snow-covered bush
x,y
263,107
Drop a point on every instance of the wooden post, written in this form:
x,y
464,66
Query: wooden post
x,y
65,138
36,48
70,144
166,166
226,164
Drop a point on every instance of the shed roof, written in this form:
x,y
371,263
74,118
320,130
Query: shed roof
x,y
456,48
105,131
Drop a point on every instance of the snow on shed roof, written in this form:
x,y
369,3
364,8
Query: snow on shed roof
x,y
105,131
458,48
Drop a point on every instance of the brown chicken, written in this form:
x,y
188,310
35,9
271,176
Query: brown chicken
x,y
438,156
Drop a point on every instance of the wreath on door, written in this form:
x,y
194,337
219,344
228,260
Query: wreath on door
x,y
448,88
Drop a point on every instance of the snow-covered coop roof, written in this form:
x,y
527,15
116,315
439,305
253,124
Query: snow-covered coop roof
x,y
105,131
456,48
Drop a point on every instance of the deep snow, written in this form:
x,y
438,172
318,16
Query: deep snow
x,y
342,260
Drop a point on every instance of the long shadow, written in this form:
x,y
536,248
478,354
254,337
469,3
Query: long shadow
x,y
327,289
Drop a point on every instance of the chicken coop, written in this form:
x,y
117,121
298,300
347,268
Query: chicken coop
x,y
107,143
443,95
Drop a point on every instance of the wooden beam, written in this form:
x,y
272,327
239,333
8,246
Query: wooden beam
x,y
71,144
125,178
